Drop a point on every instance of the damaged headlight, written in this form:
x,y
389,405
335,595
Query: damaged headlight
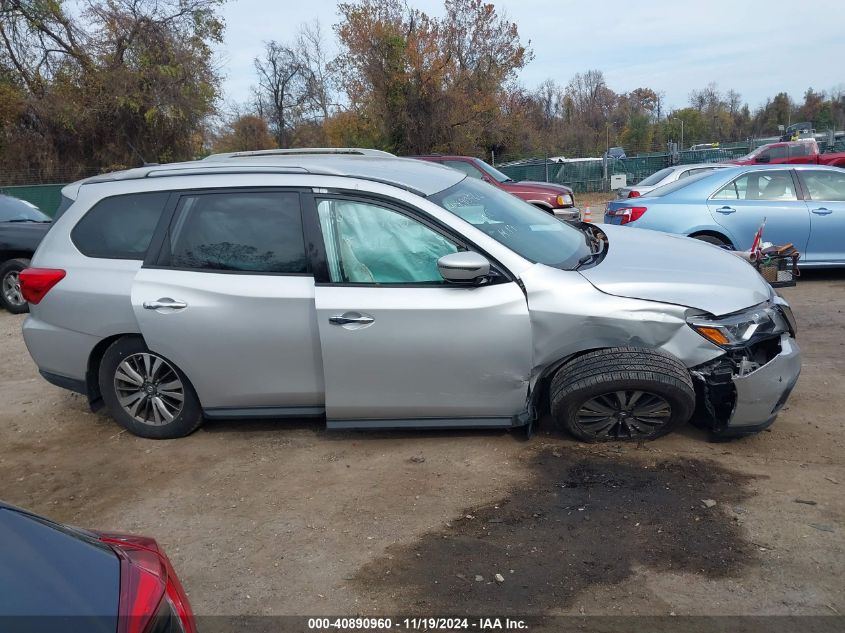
x,y
743,327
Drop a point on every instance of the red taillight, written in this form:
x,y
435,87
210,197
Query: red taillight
x,y
147,580
36,282
633,193
630,214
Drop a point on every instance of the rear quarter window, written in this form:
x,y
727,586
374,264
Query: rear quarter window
x,y
120,227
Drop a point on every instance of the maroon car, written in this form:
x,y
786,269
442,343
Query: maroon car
x,y
548,196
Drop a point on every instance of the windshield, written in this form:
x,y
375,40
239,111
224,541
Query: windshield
x,y
525,229
492,171
656,177
14,210
678,184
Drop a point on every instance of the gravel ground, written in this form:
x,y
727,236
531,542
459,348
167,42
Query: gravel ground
x,y
286,518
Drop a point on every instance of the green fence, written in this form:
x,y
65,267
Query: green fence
x,y
586,176
45,197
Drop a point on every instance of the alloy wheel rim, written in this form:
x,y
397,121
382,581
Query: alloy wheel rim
x,y
12,288
624,414
149,389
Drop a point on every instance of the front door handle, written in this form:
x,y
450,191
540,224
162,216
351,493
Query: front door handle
x,y
351,318
165,302
822,211
726,210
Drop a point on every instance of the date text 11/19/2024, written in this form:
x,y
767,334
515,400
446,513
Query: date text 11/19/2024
x,y
417,624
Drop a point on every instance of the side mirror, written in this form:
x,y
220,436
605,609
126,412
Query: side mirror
x,y
763,158
465,267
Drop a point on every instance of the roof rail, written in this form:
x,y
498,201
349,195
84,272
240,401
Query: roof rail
x,y
300,151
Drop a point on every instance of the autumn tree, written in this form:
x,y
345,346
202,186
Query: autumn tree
x,y
244,133
424,83
115,84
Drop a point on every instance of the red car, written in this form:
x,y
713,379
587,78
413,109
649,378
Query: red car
x,y
791,152
56,577
550,197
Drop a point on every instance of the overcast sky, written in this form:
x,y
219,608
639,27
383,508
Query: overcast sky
x,y
756,47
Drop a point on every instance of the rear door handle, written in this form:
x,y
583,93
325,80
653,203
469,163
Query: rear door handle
x,y
822,211
165,302
726,210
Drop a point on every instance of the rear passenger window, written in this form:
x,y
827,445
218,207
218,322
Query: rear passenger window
x,y
120,227
254,232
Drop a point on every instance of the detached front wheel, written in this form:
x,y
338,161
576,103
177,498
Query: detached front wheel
x,y
622,393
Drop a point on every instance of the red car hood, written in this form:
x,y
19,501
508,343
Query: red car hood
x,y
528,186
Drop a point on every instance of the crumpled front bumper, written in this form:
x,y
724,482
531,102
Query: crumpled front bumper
x,y
763,392
731,403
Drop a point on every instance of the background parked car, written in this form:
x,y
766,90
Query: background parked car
x,y
664,177
22,225
802,204
615,153
804,152
57,577
551,197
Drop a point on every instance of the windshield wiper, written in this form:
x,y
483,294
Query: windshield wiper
x,y
26,220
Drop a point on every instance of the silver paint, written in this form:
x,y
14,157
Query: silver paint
x,y
446,354
758,392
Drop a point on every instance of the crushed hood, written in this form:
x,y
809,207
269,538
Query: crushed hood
x,y
643,264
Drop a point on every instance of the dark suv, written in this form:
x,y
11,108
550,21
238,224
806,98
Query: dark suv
x,y
22,225
548,196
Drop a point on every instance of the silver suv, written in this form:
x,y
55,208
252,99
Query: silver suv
x,y
383,292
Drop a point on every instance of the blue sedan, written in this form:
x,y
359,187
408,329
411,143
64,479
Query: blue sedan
x,y
802,204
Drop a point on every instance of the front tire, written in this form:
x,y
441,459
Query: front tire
x,y
11,297
622,393
147,394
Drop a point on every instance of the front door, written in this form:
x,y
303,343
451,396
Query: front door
x,y
826,189
230,300
402,347
768,194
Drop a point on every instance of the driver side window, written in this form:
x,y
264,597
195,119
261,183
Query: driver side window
x,y
369,244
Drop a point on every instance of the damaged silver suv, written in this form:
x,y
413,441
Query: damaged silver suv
x,y
382,292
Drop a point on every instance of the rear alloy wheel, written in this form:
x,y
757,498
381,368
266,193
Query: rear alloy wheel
x,y
146,393
11,296
622,393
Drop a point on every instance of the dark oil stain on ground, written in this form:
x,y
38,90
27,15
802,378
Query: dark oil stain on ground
x,y
581,520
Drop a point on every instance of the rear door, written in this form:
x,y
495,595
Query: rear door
x,y
825,190
400,346
229,298
767,194
801,153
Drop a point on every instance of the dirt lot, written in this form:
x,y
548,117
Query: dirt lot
x,y
286,518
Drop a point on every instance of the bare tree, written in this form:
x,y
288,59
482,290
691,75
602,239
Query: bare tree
x,y
282,89
310,48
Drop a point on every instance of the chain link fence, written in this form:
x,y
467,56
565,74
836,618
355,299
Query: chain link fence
x,y
586,175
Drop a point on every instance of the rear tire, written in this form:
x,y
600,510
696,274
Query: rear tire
x,y
147,394
10,286
622,393
712,239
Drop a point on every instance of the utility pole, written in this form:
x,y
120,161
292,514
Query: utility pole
x,y
682,131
